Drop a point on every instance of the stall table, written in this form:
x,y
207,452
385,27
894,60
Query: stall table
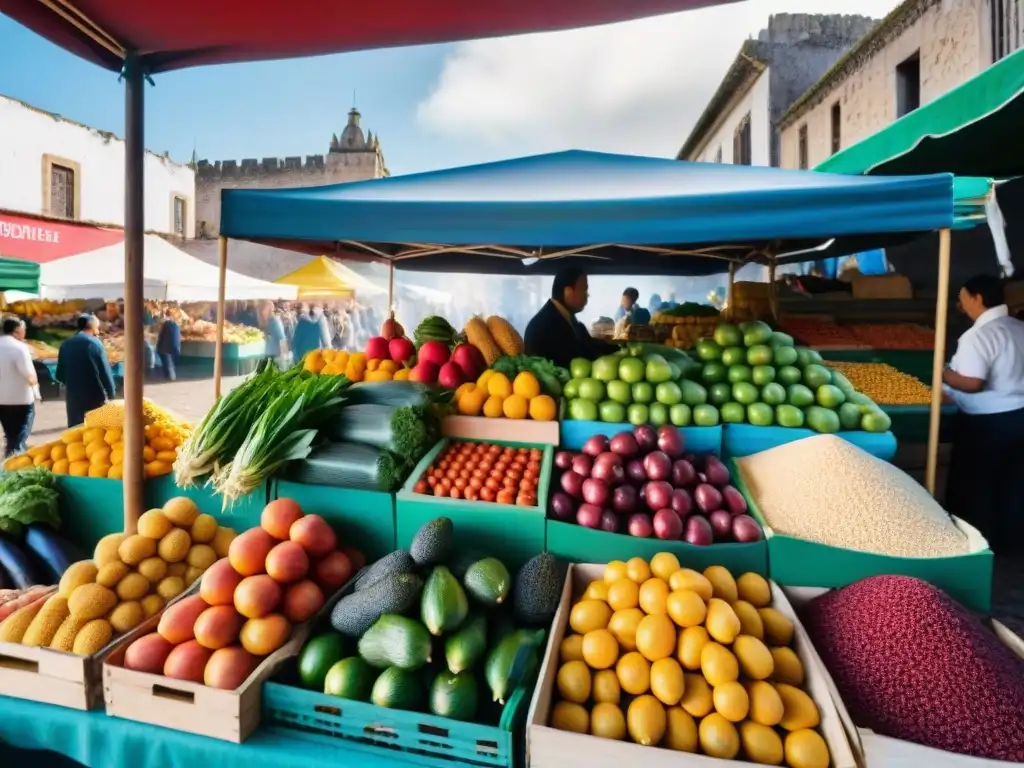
x,y
239,359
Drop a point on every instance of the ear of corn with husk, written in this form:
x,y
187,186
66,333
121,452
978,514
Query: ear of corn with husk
x,y
505,335
480,337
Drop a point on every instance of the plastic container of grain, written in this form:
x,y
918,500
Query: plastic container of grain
x,y
798,562
874,749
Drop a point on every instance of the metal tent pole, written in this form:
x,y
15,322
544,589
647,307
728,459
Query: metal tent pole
x,y
938,361
134,223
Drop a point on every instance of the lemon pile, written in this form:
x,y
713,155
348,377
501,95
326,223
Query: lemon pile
x,y
695,662
494,396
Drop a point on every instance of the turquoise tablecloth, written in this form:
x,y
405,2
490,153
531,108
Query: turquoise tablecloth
x,y
98,741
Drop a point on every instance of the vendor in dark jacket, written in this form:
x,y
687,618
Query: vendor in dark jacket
x,y
555,333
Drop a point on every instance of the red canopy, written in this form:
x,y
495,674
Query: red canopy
x,y
44,240
185,33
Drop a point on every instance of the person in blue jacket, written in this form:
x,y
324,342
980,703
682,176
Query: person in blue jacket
x,y
307,334
84,370
168,346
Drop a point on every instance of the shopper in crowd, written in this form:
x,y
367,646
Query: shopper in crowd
x,y
276,348
307,333
986,380
630,308
168,346
554,332
19,387
84,370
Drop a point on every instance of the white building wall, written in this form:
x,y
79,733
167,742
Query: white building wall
x,y
755,102
952,37
29,136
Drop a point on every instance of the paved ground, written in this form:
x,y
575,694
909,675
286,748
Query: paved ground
x,y
191,399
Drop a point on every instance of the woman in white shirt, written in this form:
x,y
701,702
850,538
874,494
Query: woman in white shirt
x,y
18,386
986,380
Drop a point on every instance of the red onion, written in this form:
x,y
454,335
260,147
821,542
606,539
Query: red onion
x,y
646,438
734,500
745,529
572,484
589,516
698,531
717,472
670,441
624,499
563,459
667,525
721,524
582,465
683,474
562,506
595,445
610,522
658,466
624,444
640,525
595,492
657,495
707,497
682,503
635,471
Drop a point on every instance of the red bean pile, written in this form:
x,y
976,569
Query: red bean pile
x,y
911,663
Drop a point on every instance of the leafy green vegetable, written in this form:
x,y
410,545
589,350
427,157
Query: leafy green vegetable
x,y
26,497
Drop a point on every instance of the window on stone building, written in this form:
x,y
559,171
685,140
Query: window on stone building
x,y
908,85
804,159
179,211
62,191
837,127
1007,27
718,155
741,150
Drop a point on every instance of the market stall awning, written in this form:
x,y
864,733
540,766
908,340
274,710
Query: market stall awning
x,y
622,214
188,33
41,239
325,278
972,130
169,275
16,275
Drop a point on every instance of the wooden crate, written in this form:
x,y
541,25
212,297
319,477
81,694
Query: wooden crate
x,y
187,706
55,677
548,747
872,748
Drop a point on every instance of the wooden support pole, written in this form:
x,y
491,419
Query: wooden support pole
x,y
133,479
218,359
773,294
938,361
391,289
729,291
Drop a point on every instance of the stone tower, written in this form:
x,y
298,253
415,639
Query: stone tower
x,y
352,156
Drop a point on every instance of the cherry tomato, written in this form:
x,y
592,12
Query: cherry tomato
x,y
492,484
431,481
440,490
446,483
455,493
525,501
460,483
487,494
471,494
505,497
476,483
535,454
534,465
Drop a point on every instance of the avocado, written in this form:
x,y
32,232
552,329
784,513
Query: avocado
x,y
488,581
512,661
466,647
395,641
318,656
461,562
396,593
350,678
398,689
538,589
454,695
433,542
399,561
443,606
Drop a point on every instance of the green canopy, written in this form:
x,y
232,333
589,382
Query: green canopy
x,y
973,130
18,275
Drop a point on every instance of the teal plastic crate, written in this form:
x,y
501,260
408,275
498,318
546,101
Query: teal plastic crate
x,y
741,440
242,515
794,562
362,519
419,738
513,533
90,508
586,545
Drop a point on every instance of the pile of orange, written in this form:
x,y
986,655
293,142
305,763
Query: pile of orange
x,y
495,397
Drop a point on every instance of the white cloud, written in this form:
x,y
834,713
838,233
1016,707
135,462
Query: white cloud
x,y
636,87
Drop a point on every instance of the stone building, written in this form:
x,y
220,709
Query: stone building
x,y
352,156
921,50
740,124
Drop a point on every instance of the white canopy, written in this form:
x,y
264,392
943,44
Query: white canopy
x,y
170,275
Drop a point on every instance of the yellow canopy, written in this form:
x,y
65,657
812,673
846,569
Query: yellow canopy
x,y
325,278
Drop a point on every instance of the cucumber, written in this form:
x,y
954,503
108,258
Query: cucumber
x,y
512,661
443,606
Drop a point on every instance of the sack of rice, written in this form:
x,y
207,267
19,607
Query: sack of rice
x,y
827,490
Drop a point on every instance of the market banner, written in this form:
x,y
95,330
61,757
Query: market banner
x,y
42,240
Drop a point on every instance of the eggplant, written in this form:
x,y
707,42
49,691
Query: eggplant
x,y
52,551
14,560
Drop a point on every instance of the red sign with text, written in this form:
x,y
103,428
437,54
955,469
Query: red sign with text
x,y
42,241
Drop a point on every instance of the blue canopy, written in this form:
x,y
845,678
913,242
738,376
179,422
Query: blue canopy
x,y
618,214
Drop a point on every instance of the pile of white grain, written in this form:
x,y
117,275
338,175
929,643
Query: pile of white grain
x,y
828,490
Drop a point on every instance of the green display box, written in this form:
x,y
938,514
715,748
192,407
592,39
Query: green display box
x,y
512,533
362,519
90,508
794,562
586,545
242,515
